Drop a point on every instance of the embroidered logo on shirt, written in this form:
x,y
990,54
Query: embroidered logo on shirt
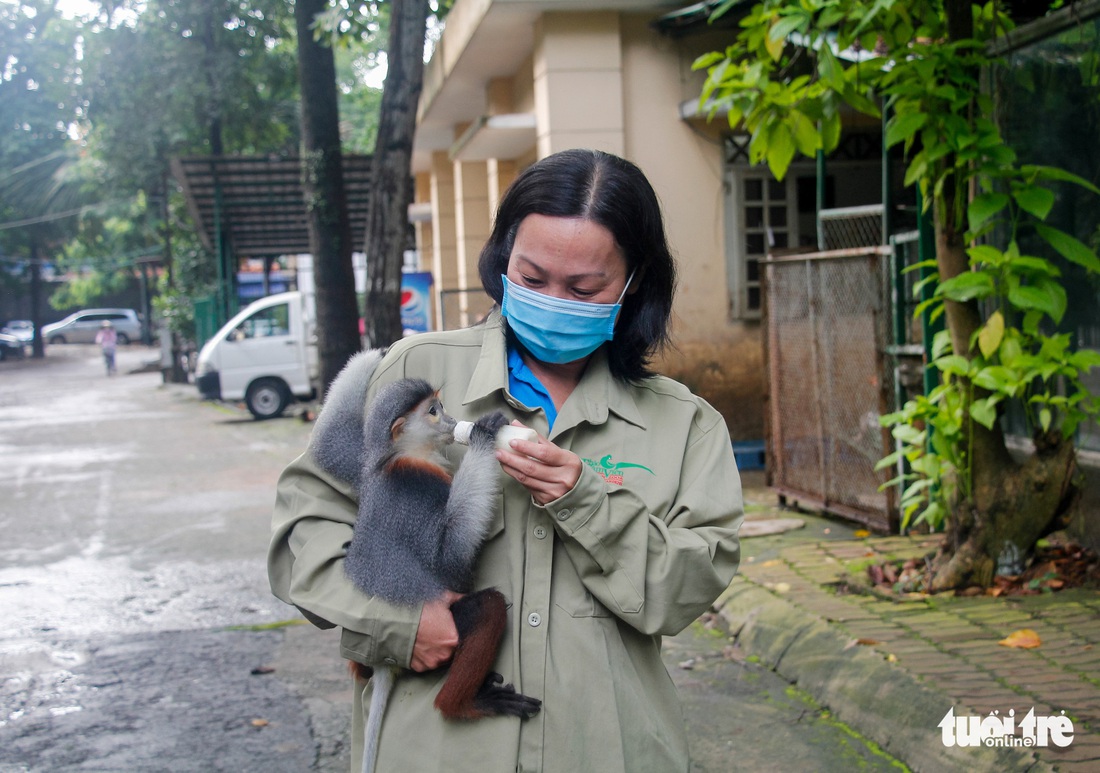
x,y
612,472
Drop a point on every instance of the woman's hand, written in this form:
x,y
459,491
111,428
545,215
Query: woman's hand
x,y
544,469
436,637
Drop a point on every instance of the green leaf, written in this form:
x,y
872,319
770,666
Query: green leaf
x,y
953,363
806,137
918,168
1085,359
930,263
1035,200
1069,247
933,515
985,253
915,488
1044,419
991,334
984,412
967,286
1054,173
941,343
1010,350
830,69
888,461
997,378
706,60
785,26
774,46
903,126
1048,297
984,207
780,150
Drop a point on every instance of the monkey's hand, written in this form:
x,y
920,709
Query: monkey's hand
x,y
485,430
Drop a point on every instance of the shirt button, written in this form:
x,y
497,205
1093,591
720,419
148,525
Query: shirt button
x,y
540,532
563,514
390,661
534,619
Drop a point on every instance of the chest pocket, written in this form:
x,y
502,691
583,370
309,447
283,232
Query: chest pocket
x,y
568,593
496,526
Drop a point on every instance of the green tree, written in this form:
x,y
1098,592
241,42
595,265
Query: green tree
x,y
786,80
39,107
404,25
391,170
330,240
165,78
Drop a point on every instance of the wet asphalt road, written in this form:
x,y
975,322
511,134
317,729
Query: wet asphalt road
x,y
138,630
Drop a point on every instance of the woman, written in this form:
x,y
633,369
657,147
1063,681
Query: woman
x,y
617,527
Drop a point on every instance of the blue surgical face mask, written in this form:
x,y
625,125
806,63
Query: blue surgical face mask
x,y
558,330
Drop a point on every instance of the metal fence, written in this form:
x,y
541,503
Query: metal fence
x,y
846,227
828,324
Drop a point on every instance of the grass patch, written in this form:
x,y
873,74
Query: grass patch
x,y
267,626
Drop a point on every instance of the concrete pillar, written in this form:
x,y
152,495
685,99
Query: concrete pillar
x,y
501,173
471,192
579,82
444,257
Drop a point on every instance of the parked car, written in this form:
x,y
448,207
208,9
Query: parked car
x,y
23,329
11,348
81,327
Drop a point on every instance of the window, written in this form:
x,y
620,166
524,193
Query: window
x,y
273,321
761,217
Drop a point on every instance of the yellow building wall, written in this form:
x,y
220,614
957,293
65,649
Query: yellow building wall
x,y
718,358
607,80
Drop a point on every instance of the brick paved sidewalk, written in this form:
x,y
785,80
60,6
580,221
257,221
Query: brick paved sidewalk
x,y
893,669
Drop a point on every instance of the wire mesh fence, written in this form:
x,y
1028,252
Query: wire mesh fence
x,y
847,227
828,322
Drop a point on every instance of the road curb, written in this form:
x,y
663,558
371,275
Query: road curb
x,y
877,698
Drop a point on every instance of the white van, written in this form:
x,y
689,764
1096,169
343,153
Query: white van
x,y
265,355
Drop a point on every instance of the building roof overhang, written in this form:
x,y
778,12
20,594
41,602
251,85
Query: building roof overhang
x,y
483,41
256,202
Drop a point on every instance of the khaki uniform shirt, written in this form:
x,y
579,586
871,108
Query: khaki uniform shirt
x,y
641,546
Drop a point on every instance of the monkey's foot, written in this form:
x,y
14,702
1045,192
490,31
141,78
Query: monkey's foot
x,y
496,698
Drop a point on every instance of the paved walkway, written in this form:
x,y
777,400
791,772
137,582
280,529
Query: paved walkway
x,y
893,669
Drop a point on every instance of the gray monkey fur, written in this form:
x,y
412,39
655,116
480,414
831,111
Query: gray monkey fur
x,y
412,544
406,550
337,440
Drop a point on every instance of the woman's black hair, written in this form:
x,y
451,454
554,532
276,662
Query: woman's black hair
x,y
614,193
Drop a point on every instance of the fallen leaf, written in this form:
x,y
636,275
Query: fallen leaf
x,y
1025,638
891,658
861,533
772,562
260,723
868,642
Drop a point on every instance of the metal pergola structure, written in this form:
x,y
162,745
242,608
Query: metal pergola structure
x,y
253,207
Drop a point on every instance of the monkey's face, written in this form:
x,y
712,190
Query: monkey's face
x,y
427,427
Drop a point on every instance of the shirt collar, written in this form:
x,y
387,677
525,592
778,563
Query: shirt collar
x,y
597,394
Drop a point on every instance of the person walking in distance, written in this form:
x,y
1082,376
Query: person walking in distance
x,y
107,338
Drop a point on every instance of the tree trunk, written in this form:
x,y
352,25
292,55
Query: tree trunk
x,y
1004,507
326,205
392,185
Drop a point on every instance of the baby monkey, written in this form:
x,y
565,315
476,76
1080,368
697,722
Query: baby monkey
x,y
419,531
